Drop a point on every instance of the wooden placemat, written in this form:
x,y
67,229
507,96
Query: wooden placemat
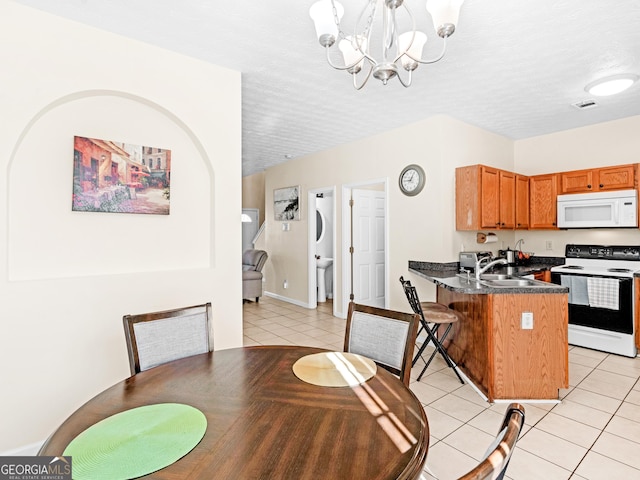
x,y
334,369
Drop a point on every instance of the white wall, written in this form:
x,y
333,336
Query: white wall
x,y
600,145
67,278
421,227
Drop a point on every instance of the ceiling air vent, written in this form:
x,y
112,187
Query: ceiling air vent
x,y
585,104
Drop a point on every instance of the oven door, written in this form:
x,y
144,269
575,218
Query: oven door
x,y
582,313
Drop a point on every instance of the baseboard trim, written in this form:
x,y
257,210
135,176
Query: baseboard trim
x,y
24,451
287,299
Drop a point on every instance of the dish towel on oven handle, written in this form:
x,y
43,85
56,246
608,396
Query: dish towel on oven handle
x,y
604,292
577,284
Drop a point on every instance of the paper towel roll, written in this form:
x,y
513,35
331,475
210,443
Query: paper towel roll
x,y
486,238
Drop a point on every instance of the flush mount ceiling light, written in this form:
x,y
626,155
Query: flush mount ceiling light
x,y
611,85
396,49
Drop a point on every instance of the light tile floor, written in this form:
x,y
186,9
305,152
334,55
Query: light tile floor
x,y
593,434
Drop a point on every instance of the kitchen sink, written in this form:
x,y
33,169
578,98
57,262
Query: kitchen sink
x,y
495,276
513,282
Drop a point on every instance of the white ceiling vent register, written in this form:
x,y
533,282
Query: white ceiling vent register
x,y
585,104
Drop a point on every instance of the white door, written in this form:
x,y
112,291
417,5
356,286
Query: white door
x,y
249,229
369,217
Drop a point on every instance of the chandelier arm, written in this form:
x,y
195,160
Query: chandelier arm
x,y
364,82
413,36
338,67
402,82
432,60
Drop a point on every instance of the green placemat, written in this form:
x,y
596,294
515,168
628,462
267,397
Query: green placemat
x,y
136,442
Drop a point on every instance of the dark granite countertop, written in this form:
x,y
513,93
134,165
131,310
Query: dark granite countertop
x,y
446,275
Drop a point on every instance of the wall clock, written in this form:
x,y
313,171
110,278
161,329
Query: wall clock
x,y
412,180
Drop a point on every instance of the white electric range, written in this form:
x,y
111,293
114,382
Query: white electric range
x,y
601,295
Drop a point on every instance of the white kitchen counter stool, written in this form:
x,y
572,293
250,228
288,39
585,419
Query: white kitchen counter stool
x,y
433,316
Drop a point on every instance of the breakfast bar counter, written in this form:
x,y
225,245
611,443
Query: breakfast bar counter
x,y
511,342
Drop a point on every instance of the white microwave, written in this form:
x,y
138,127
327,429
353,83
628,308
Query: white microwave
x,y
598,210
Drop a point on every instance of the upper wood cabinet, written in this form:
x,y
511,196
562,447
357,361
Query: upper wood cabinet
x,y
543,191
490,198
489,207
598,179
485,198
522,202
507,200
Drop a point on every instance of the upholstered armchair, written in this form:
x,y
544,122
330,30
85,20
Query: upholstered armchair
x,y
252,263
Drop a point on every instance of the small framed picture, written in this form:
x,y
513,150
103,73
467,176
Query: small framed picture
x,y
286,203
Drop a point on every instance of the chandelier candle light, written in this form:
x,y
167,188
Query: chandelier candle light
x,y
405,48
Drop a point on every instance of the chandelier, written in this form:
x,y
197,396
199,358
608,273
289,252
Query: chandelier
x,y
397,50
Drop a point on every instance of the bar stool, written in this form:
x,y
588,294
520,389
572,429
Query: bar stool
x,y
437,315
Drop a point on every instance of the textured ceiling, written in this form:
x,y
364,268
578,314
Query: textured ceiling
x,y
513,67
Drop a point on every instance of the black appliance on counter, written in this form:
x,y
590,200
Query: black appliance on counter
x,y
601,295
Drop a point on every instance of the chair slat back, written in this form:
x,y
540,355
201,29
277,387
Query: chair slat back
x,y
412,296
385,336
160,337
496,460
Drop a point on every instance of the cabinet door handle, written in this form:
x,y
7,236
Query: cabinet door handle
x,y
601,185
589,186
554,224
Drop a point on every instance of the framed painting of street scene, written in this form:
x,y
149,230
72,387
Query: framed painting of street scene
x,y
286,203
118,177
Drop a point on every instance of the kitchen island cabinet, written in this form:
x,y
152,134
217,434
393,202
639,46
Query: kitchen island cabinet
x,y
501,358
489,343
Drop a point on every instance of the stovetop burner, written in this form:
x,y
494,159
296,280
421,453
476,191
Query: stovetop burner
x,y
613,260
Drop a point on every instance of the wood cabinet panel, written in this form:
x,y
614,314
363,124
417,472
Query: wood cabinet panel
x,y
468,198
543,276
522,202
618,177
470,337
577,182
485,198
499,357
543,194
489,197
507,200
530,363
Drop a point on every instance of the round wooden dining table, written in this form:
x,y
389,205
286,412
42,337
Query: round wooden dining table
x,y
263,422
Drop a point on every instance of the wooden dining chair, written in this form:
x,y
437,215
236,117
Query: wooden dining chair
x,y
495,462
160,337
385,336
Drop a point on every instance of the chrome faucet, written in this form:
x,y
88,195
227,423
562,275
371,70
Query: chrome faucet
x,y
480,270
